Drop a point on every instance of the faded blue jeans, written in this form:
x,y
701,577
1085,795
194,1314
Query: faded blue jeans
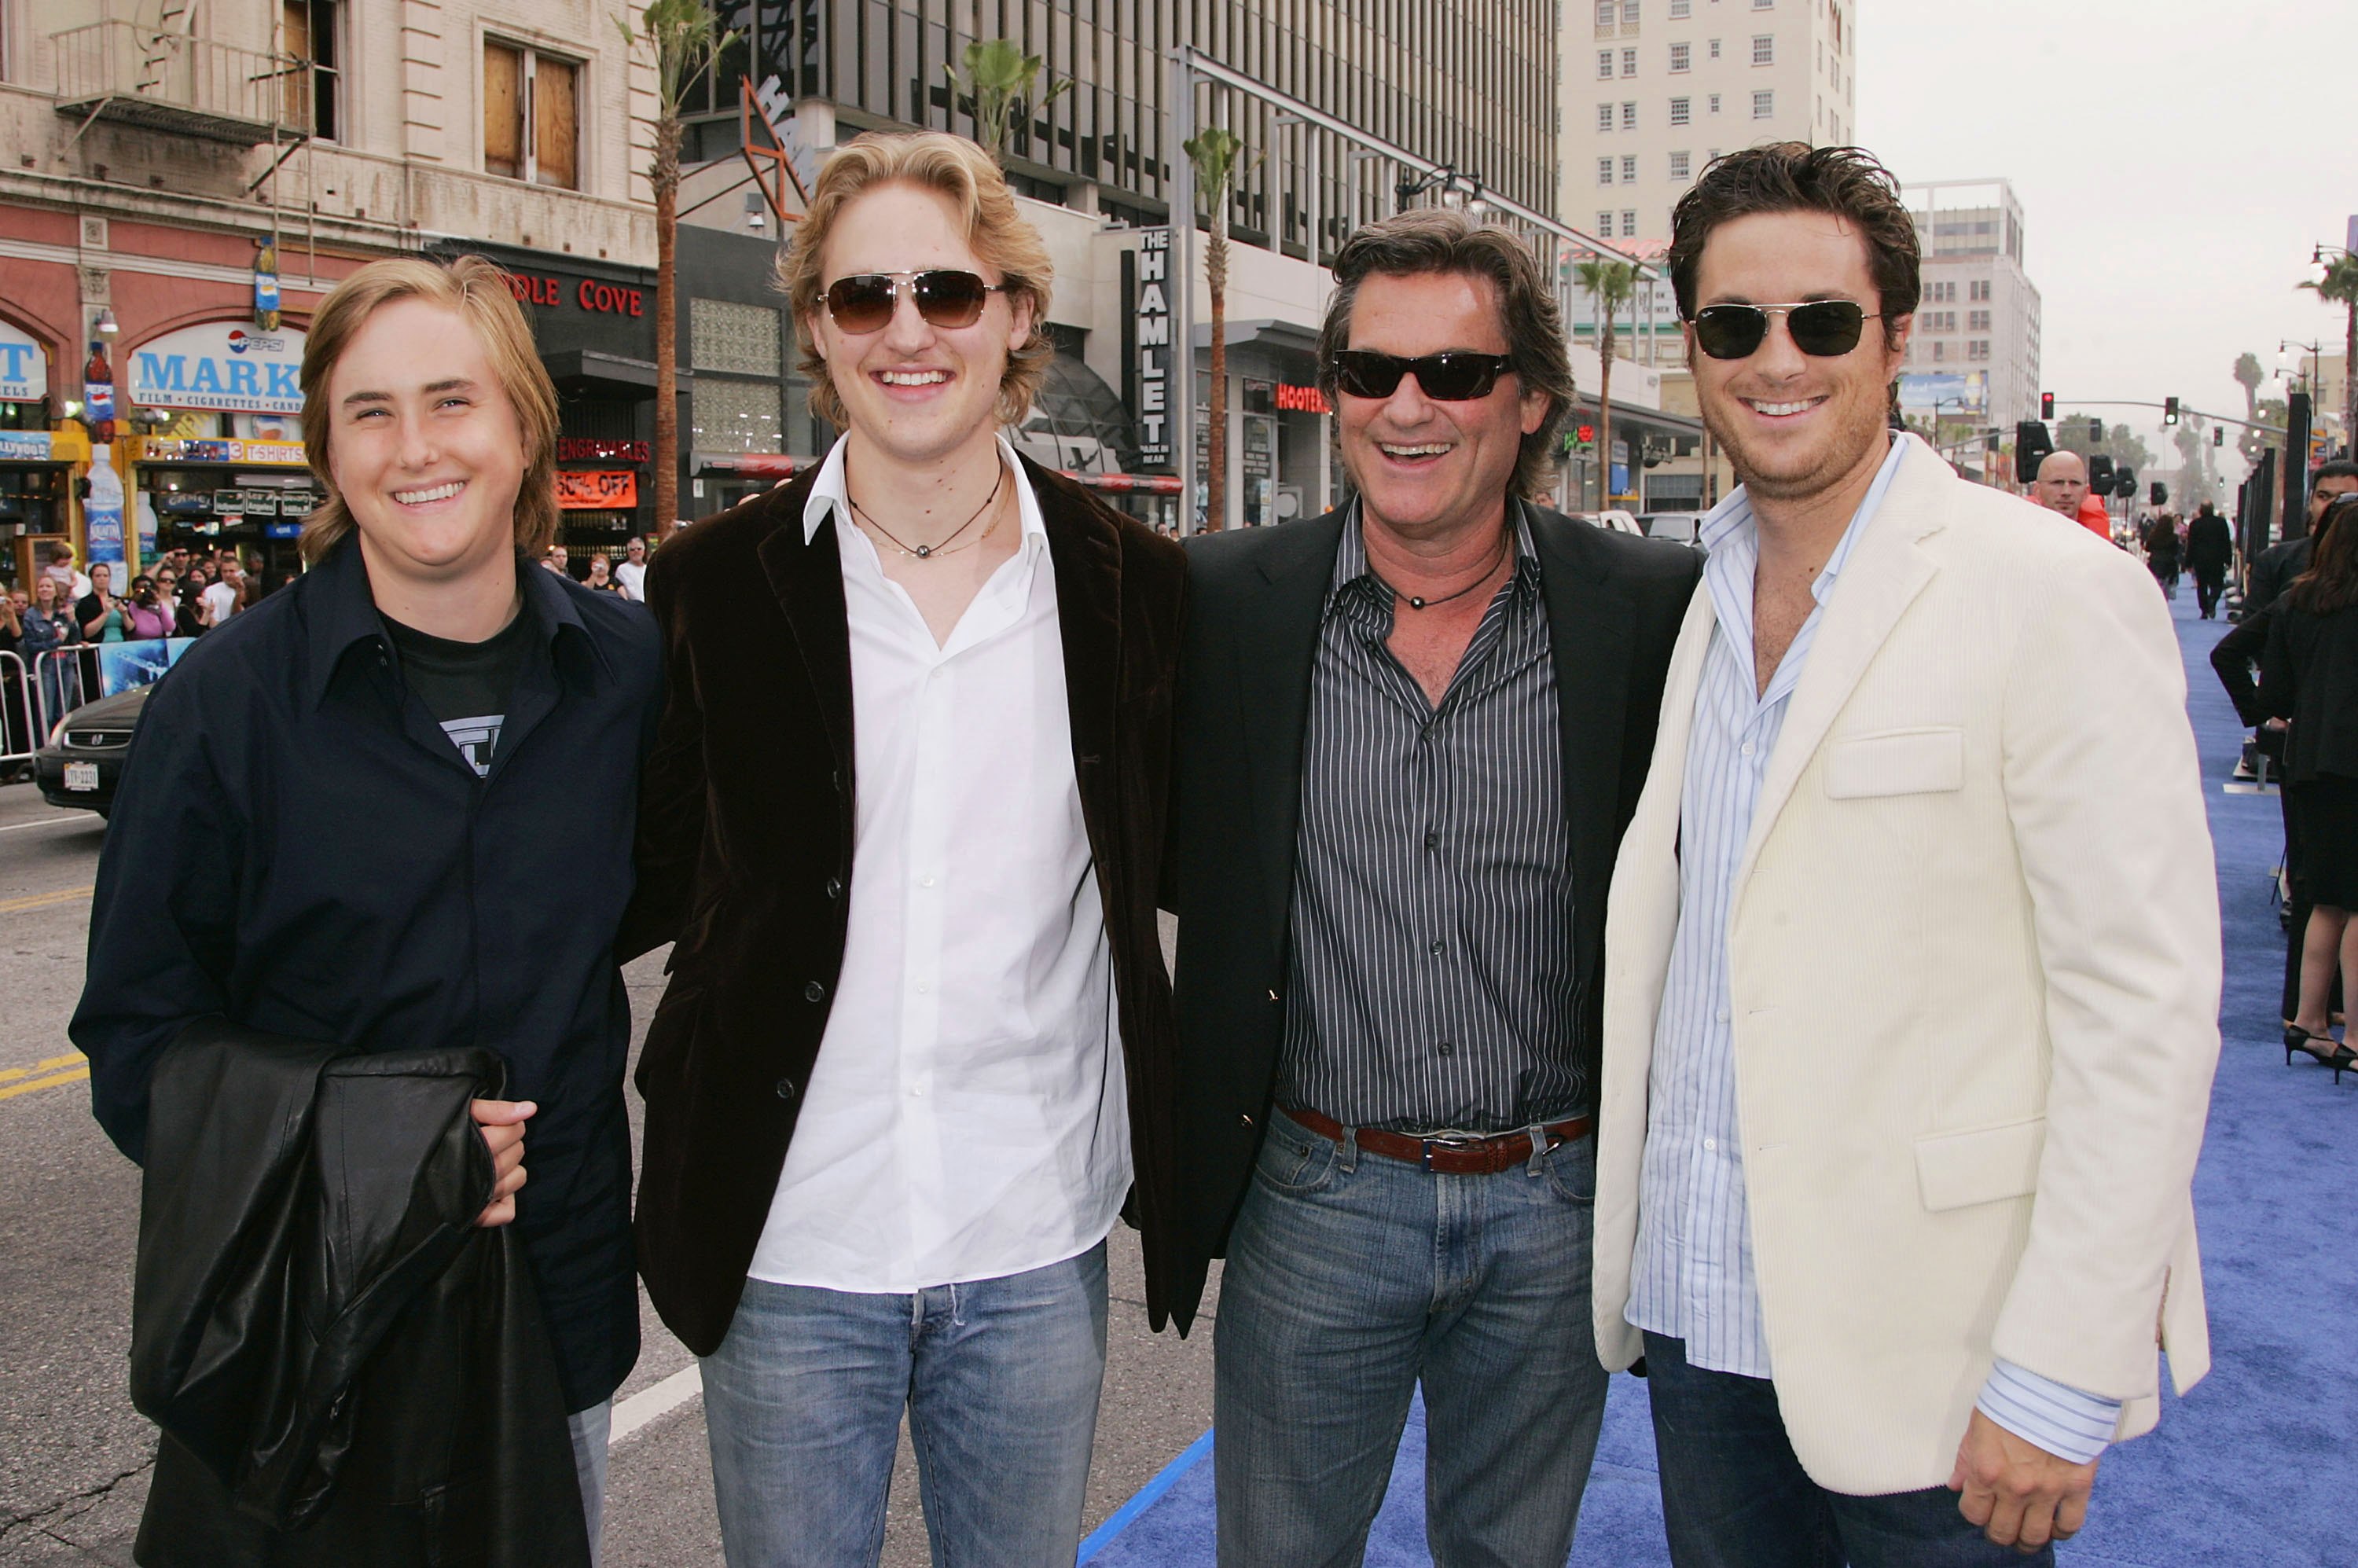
x,y
1350,1279
999,1379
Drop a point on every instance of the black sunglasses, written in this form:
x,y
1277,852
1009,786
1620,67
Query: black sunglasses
x,y
1824,328
1459,376
946,297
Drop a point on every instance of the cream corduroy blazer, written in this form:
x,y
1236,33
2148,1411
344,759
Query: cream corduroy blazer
x,y
1974,973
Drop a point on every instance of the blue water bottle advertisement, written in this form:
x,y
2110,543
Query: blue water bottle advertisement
x,y
101,514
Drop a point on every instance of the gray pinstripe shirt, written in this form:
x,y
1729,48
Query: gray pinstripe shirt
x,y
1431,980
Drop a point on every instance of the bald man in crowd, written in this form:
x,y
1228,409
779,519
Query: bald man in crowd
x,y
2062,485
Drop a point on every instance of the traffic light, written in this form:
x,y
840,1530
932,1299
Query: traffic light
x,y
2169,411
2124,484
2031,446
2158,494
2047,406
2218,435
2096,431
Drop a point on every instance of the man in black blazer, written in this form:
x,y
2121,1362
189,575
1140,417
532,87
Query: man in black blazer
x,y
1409,736
904,820
2209,551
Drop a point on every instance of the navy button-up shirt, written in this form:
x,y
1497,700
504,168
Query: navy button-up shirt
x,y
297,846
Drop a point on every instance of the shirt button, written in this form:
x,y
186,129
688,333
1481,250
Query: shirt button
x,y
1245,1121
925,882
1747,748
923,988
1447,1048
1437,948
1273,994
786,1090
1711,1144
835,887
1433,840
814,991
1723,1015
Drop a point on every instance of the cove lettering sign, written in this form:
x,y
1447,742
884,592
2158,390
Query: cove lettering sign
x,y
232,366
24,369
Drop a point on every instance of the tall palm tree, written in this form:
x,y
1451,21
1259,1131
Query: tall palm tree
x,y
999,85
1609,283
1218,157
683,36
2249,376
2340,287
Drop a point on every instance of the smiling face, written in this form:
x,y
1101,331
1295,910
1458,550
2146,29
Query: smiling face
x,y
1795,425
914,391
1425,468
424,446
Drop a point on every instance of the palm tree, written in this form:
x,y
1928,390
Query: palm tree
x,y
2340,287
683,36
1218,157
1610,284
2248,376
997,87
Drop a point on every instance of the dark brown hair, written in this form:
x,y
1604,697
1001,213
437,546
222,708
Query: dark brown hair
x,y
1793,176
1436,239
2330,583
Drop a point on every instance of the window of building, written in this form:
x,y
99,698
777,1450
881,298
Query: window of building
x,y
1629,169
1978,348
1628,12
531,116
1714,104
1628,62
1714,48
1604,65
1604,116
1763,48
1604,225
1628,224
1763,105
1680,111
742,340
1681,10
727,416
1977,320
1940,350
1682,57
1605,9
1679,165
1628,116
1980,288
1605,171
310,34
1764,5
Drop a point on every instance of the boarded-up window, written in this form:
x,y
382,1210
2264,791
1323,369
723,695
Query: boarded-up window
x,y
503,110
554,136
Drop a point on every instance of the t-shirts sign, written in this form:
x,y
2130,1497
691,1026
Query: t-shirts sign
x,y
233,366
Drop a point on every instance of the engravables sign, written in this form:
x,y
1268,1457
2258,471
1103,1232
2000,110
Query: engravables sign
x,y
233,366
24,369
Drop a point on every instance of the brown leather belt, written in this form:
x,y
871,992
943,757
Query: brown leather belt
x,y
1460,1154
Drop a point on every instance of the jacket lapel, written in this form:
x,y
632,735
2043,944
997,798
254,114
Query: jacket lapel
x,y
1086,554
1274,656
1887,568
1589,632
808,579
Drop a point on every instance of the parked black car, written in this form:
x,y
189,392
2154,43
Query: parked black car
x,y
79,765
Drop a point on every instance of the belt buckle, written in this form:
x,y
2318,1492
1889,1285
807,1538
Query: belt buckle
x,y
1452,1142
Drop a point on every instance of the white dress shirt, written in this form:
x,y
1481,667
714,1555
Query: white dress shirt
x,y
967,1116
1693,1278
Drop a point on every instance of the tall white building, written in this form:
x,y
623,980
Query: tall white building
x,y
1653,90
1973,358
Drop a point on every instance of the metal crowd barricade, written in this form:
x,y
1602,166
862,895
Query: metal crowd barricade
x,y
20,722
63,680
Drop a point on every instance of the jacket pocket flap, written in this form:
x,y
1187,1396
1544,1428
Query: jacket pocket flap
x,y
1898,762
1957,1169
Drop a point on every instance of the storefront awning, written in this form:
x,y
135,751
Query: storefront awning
x,y
1266,332
591,371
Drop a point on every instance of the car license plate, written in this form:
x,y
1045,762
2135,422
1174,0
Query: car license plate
x,y
82,775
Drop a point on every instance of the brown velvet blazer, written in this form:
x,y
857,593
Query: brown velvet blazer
x,y
744,859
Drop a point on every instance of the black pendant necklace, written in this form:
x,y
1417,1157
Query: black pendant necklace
x,y
927,551
1506,543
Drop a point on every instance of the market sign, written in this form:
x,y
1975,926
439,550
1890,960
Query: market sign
x,y
1146,344
596,490
230,366
24,367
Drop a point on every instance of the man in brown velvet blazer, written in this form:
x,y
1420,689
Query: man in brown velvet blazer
x,y
902,823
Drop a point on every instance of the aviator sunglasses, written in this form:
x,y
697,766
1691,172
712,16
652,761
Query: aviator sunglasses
x,y
1458,375
946,297
1823,329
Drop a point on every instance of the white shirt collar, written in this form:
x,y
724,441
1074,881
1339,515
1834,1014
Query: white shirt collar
x,y
829,492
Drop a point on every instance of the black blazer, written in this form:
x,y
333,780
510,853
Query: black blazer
x,y
1257,597
744,858
2310,676
2210,545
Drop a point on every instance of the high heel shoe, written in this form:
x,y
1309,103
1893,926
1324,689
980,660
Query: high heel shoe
x,y
2296,1038
2344,1057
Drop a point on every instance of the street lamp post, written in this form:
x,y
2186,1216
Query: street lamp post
x,y
2319,268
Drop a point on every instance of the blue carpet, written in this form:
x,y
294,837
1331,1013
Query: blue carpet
x,y
2255,1465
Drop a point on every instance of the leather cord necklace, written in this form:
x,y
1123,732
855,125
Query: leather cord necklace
x,y
927,551
1506,544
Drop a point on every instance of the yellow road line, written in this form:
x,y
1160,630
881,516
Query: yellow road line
x,y
10,1075
44,899
75,1076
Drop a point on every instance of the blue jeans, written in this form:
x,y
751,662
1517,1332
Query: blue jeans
x,y
999,1379
1352,1277
1733,1495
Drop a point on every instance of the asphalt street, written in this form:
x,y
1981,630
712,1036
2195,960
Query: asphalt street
x,y
73,1454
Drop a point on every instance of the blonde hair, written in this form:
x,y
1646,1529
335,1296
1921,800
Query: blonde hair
x,y
995,231
480,292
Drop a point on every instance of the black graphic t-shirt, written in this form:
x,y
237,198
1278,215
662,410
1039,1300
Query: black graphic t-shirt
x,y
465,686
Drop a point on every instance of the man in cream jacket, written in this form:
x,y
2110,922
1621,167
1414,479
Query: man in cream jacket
x,y
1912,956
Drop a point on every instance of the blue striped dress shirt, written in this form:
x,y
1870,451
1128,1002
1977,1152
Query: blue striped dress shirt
x,y
1693,1278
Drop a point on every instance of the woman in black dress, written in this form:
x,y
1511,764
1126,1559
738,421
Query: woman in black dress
x,y
2310,676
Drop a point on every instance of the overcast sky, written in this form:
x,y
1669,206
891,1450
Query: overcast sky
x,y
2175,159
